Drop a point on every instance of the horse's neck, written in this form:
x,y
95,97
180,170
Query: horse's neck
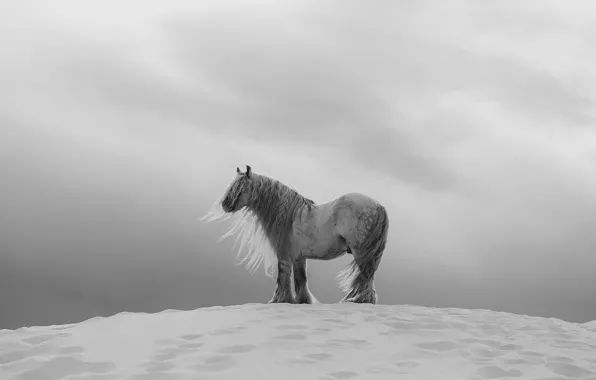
x,y
298,209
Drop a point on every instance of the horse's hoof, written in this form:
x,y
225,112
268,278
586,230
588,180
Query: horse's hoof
x,y
359,300
306,298
290,301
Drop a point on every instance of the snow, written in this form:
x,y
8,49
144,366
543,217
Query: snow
x,y
281,341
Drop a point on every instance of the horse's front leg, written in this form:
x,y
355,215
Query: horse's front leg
x,y
283,291
303,295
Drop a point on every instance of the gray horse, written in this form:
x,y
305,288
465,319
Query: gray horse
x,y
281,229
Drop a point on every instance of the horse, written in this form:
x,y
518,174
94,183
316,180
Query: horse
x,y
282,229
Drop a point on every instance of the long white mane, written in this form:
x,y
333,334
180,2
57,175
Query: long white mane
x,y
250,238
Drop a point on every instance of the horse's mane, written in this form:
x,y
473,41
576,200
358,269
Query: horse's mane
x,y
264,227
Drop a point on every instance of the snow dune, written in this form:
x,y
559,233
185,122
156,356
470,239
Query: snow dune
x,y
335,341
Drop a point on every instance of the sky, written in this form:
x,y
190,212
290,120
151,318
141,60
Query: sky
x,y
121,123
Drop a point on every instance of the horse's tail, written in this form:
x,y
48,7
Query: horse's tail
x,y
366,260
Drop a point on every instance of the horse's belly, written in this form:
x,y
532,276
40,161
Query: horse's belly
x,y
325,244
328,251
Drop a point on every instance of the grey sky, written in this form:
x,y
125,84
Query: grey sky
x,y
121,122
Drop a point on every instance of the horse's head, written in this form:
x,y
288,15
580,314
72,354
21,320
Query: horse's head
x,y
238,195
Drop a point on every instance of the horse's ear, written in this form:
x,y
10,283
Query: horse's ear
x,y
237,170
248,171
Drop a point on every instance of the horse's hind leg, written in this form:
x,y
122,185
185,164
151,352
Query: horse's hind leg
x,y
283,291
303,295
367,249
358,281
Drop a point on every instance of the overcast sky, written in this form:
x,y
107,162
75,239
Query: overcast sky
x,y
122,121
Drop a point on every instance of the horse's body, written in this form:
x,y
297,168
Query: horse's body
x,y
291,228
